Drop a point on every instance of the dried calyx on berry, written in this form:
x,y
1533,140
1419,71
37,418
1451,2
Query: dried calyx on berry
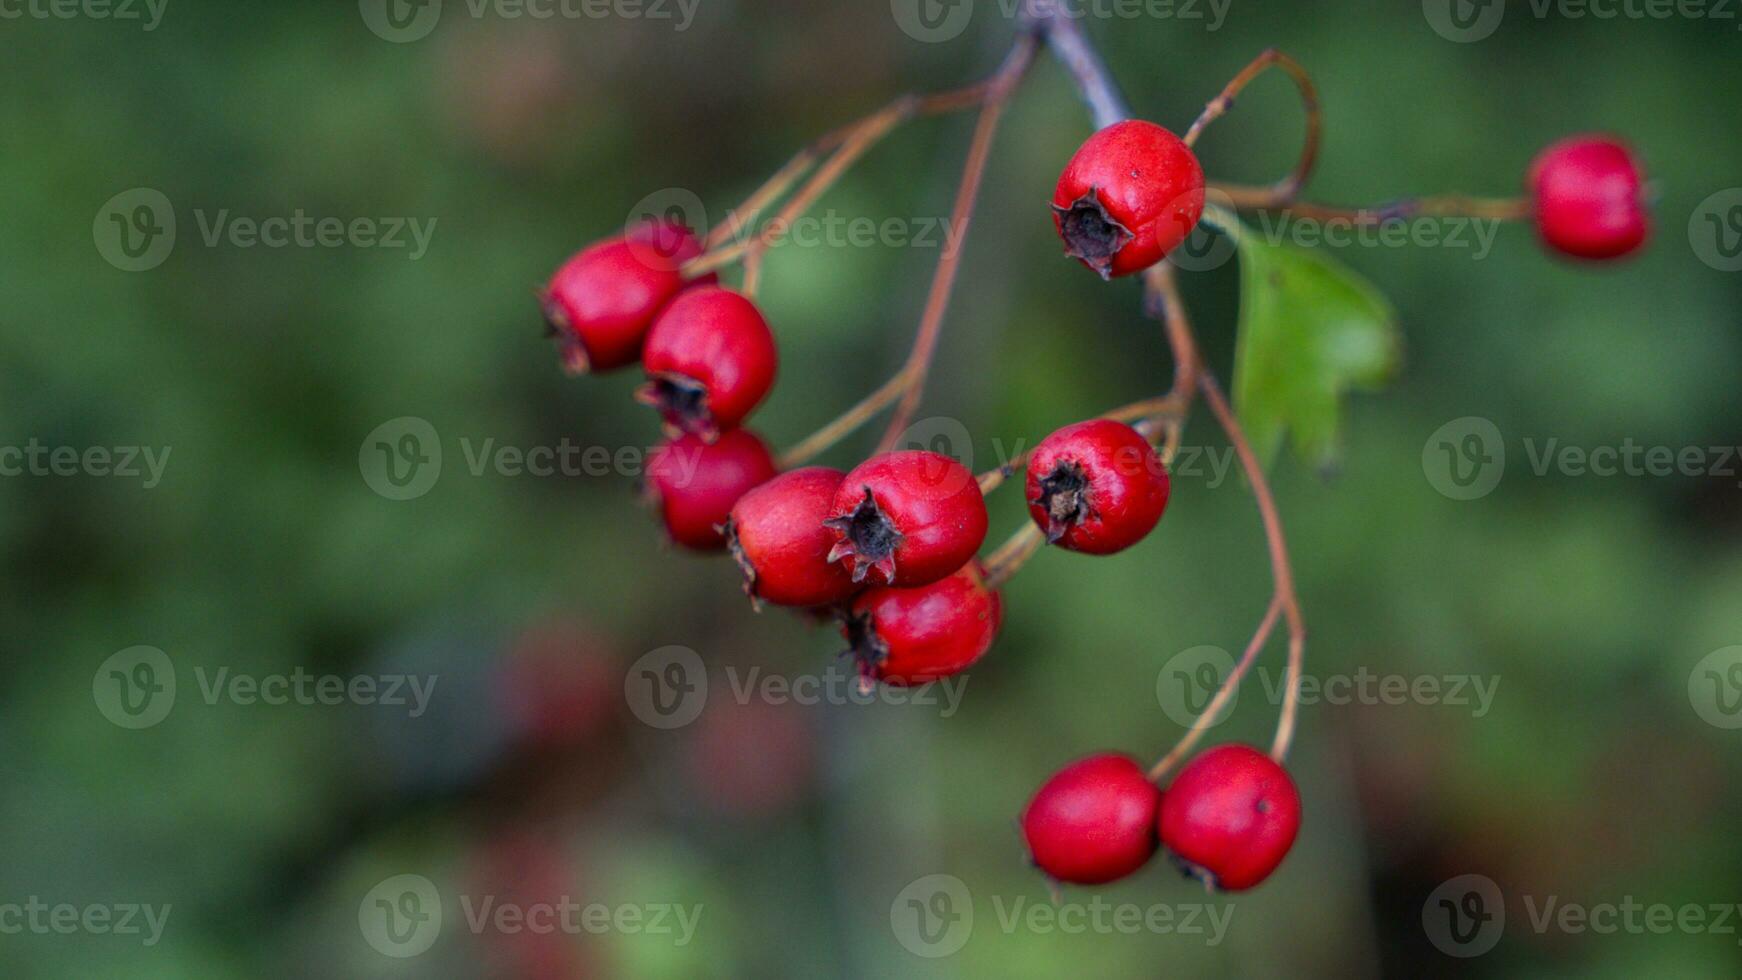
x,y
869,537
907,519
1092,235
1130,194
1064,499
710,360
1097,487
913,636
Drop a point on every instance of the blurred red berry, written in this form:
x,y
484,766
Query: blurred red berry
x,y
777,535
559,684
602,302
1129,196
710,360
1230,816
1097,487
1093,821
1588,196
751,758
908,637
907,518
695,483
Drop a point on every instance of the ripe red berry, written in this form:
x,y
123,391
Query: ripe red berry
x,y
600,304
710,360
908,637
1588,196
1230,817
695,483
907,518
1131,194
1097,487
1093,821
777,535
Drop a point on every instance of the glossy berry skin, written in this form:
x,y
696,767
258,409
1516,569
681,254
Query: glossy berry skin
x,y
1097,487
1094,821
1587,194
1131,194
777,535
695,483
602,302
906,637
710,360
1230,816
907,519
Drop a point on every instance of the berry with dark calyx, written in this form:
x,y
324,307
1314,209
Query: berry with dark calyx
x,y
1094,821
1588,197
1230,816
710,360
1130,195
694,483
601,303
908,637
907,518
777,535
1097,487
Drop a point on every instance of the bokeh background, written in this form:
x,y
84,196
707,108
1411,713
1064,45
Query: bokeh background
x,y
1602,771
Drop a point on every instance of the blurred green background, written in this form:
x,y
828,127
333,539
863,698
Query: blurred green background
x,y
1595,776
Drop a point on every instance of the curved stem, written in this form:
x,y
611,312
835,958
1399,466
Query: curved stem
x,y
1013,554
1230,684
819,441
1286,188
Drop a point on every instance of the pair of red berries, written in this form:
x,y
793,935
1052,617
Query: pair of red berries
x,y
1228,819
1134,191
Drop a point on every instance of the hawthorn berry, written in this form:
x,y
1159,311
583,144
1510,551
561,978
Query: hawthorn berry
x,y
907,518
710,360
777,535
908,637
1230,816
1094,821
1097,487
695,483
1131,193
1587,193
602,301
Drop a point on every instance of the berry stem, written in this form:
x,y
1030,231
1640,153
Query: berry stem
x,y
1286,188
1159,771
1014,553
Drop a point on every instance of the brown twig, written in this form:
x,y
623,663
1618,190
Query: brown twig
x,y
1285,189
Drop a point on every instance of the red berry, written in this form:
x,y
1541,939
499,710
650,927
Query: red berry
x,y
710,360
1131,194
601,303
1093,821
695,483
1230,817
1097,487
908,637
907,518
1588,197
777,535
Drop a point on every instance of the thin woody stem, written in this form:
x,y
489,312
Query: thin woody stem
x,y
1069,43
849,421
1285,189
1230,684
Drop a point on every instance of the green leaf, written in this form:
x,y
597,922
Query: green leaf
x,y
1311,330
